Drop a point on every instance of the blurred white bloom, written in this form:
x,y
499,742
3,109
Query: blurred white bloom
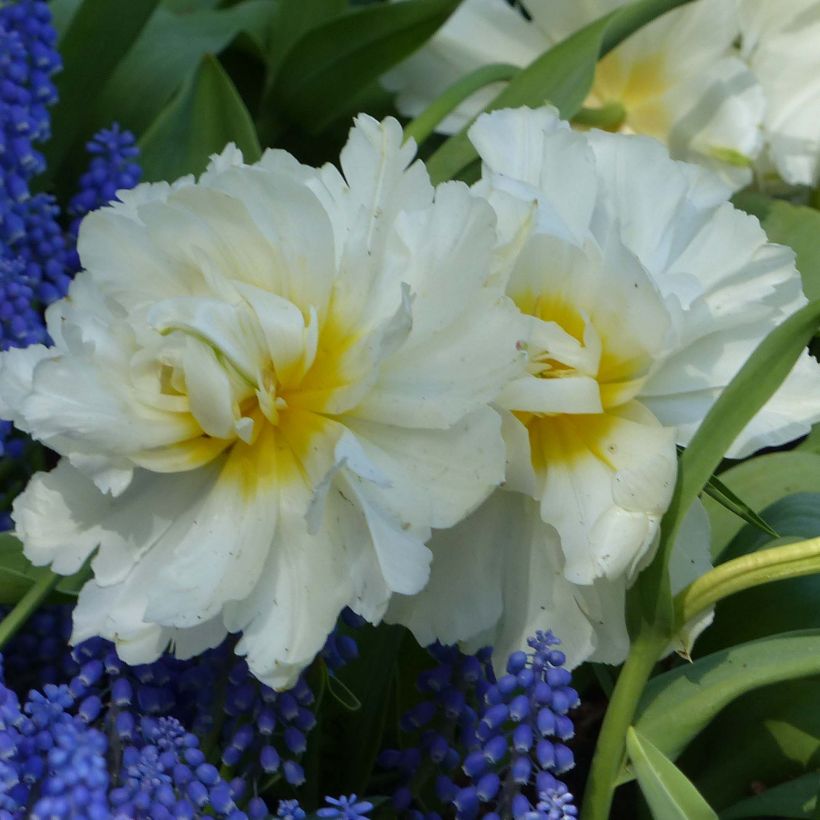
x,y
646,292
267,387
679,79
781,42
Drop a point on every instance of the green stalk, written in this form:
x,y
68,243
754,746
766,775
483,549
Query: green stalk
x,y
422,126
24,608
611,746
610,116
761,567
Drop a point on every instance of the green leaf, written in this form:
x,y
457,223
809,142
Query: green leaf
x,y
562,76
167,53
99,34
666,788
797,798
370,677
678,704
793,225
294,18
341,57
811,444
717,490
760,482
766,737
207,114
62,13
18,574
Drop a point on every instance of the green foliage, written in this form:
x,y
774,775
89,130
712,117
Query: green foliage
x,y
371,680
730,501
207,114
667,790
795,798
760,482
678,704
167,53
97,37
340,57
18,575
766,737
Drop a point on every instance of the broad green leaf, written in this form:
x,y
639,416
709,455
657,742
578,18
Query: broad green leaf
x,y
62,13
341,57
188,6
670,795
763,738
207,114
811,444
678,704
294,18
99,34
370,678
760,482
797,798
167,53
795,516
562,76
793,225
18,574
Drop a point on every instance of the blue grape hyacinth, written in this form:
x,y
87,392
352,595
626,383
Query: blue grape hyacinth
x,y
492,747
173,738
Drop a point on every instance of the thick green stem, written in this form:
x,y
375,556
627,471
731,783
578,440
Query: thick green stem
x,y
610,117
424,125
609,752
761,567
24,608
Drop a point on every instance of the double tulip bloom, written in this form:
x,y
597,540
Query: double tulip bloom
x,y
279,390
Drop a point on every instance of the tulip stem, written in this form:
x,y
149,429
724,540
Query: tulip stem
x,y
25,607
761,567
422,126
611,746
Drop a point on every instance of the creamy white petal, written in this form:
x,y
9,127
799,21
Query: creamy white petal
x,y
435,477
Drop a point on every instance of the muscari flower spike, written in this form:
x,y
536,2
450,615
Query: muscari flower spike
x,y
504,736
152,715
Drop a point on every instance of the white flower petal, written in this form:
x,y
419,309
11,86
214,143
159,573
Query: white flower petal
x,y
434,477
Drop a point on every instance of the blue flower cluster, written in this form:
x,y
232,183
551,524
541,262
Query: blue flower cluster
x,y
492,746
150,719
37,255
343,808
28,60
113,168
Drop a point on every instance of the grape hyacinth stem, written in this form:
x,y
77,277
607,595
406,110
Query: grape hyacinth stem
x,y
27,604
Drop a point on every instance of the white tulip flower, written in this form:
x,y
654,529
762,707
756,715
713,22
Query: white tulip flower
x,y
267,386
678,79
646,292
780,42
